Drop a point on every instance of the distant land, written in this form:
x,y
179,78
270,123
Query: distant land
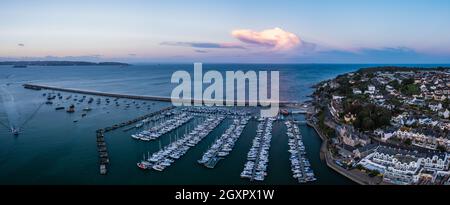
x,y
400,69
61,63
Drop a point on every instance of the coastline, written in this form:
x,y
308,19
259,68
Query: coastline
x,y
326,155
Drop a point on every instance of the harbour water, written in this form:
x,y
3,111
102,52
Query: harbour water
x,y
53,149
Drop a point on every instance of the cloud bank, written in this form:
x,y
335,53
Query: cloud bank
x,y
93,58
203,45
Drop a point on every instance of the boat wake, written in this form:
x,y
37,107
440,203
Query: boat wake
x,y
13,117
8,101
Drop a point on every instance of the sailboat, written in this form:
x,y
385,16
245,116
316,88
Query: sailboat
x,y
144,164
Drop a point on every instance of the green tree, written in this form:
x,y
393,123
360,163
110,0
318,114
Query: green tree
x,y
369,116
374,173
441,148
394,84
368,123
446,103
409,88
408,142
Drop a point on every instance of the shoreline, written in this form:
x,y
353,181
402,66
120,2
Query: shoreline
x,y
325,155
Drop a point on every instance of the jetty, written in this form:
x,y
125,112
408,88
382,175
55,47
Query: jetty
x,y
258,157
102,152
224,144
300,165
101,143
135,120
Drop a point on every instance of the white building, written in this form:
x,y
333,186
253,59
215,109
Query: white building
x,y
370,90
405,167
357,91
445,114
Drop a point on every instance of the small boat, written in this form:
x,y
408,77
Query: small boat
x,y
59,108
141,165
284,112
135,137
158,167
15,131
71,109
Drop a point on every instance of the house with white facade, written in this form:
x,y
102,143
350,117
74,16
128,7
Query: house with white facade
x,y
406,167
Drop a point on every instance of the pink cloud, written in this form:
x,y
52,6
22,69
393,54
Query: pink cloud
x,y
276,38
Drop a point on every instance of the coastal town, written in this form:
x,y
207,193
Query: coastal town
x,y
386,125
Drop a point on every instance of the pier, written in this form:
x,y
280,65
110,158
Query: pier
x,y
224,144
148,97
102,152
300,164
97,93
133,121
258,157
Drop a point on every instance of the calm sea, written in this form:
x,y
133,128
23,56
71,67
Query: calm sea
x,y
52,149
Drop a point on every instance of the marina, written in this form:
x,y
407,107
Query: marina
x,y
300,165
101,144
258,157
76,155
166,156
166,126
166,120
224,144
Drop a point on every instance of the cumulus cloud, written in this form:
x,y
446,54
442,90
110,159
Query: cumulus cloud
x,y
271,40
275,38
203,45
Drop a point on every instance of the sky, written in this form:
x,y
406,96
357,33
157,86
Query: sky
x,y
228,31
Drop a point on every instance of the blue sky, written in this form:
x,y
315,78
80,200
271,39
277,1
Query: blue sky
x,y
321,31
